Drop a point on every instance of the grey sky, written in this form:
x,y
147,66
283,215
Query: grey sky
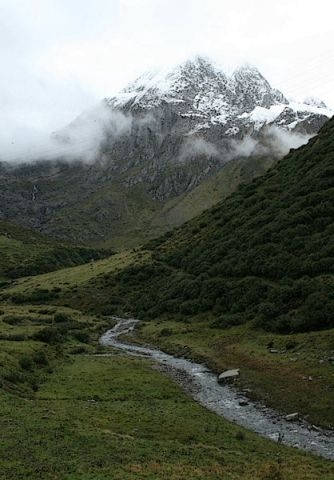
x,y
61,56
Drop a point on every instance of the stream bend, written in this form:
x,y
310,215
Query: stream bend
x,y
225,401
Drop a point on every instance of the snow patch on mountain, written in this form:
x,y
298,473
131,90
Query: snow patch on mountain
x,y
203,93
262,115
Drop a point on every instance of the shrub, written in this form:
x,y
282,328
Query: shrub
x,y
12,320
81,336
240,436
13,337
49,335
40,358
81,349
61,317
291,344
14,376
166,332
18,298
26,363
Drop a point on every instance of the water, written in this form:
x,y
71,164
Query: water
x,y
225,400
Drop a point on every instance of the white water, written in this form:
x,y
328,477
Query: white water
x,y
225,400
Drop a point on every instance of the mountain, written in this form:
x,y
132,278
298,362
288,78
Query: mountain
x,y
204,97
264,256
168,146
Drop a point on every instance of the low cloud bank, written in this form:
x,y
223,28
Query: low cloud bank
x,y
81,140
196,146
276,141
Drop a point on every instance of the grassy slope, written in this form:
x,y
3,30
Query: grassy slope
x,y
141,218
66,415
280,380
70,278
299,378
211,191
25,251
115,417
26,357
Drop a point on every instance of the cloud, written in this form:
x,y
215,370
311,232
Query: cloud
x,y
196,146
65,59
275,141
80,140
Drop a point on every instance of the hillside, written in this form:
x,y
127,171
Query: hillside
x,y
252,274
84,205
27,252
166,147
264,255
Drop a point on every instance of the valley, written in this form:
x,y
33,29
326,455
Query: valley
x,y
167,286
91,409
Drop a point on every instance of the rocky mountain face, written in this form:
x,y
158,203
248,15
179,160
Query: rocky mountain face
x,y
155,148
194,118
199,97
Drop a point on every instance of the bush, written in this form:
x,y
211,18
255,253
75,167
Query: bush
x,y
81,336
18,298
291,345
14,376
79,350
240,436
12,320
13,337
62,317
165,332
49,335
26,363
40,358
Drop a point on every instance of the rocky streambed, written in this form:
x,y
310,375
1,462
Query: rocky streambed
x,y
224,399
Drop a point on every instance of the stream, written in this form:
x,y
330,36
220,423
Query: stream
x,y
225,400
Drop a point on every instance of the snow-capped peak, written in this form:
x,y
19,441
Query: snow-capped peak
x,y
201,92
169,84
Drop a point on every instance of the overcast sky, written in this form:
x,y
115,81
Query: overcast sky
x,y
60,57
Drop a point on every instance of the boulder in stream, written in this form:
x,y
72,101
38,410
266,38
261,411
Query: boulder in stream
x,y
229,375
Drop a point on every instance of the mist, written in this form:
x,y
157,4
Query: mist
x,y
196,146
275,142
80,140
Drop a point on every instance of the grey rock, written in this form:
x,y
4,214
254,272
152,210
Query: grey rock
x,y
229,375
292,416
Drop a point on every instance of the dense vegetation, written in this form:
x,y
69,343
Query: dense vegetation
x,y
264,255
25,252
